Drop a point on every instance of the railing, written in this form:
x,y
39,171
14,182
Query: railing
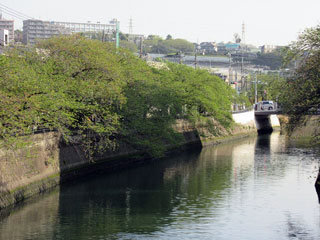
x,y
243,110
259,107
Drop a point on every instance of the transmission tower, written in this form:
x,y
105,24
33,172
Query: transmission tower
x,y
130,26
243,33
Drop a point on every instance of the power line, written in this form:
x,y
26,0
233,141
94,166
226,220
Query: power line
x,y
14,12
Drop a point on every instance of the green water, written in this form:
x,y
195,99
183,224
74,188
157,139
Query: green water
x,y
258,188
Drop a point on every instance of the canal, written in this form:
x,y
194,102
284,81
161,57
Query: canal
x,y
256,188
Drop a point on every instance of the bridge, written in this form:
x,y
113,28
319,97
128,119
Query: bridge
x,y
264,120
263,115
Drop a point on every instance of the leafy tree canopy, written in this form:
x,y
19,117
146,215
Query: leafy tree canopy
x,y
302,90
273,60
155,44
169,37
105,95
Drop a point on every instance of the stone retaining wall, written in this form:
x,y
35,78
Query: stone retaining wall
x,y
47,162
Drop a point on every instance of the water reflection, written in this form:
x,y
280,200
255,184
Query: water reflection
x,y
32,220
255,188
317,185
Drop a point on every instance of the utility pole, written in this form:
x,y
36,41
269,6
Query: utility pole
x,y
141,47
180,57
131,38
229,54
241,64
243,40
242,77
255,89
130,26
242,52
117,34
195,59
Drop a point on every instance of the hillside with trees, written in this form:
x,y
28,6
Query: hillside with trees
x,y
272,60
156,44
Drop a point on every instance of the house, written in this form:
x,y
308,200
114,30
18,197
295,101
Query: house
x,y
208,47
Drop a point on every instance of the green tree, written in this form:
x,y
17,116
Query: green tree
x,y
131,46
302,90
150,110
154,44
18,36
202,94
273,60
269,87
71,85
104,95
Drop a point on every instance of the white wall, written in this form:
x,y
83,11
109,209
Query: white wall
x,y
247,119
4,35
244,118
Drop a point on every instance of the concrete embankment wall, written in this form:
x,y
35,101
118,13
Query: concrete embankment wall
x,y
305,131
248,119
46,162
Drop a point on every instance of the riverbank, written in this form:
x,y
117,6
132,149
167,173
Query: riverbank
x,y
190,195
304,133
47,162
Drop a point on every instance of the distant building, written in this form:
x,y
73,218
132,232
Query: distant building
x,y
251,48
208,47
268,48
37,29
7,25
34,30
4,37
221,48
233,47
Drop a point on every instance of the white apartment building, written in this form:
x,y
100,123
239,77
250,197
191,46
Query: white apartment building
x,y
7,25
34,30
4,37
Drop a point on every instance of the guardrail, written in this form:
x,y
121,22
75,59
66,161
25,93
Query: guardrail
x,y
243,110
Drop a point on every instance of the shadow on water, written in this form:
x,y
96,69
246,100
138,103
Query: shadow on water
x,y
262,153
139,200
143,200
135,200
263,143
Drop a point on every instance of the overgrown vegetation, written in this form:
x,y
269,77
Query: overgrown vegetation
x,y
301,92
269,87
156,44
90,89
272,60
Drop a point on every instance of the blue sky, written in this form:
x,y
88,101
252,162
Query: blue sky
x,y
275,22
